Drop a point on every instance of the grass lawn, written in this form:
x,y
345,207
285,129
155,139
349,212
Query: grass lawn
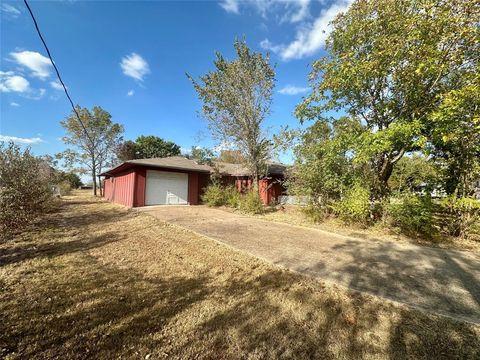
x,y
96,280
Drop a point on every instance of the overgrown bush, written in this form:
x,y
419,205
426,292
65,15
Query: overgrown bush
x,y
232,197
25,189
251,203
354,206
463,214
214,195
315,213
64,188
413,214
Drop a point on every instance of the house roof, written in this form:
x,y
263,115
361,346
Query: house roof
x,y
182,163
172,162
241,170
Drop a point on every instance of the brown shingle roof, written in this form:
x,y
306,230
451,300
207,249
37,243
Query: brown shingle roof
x,y
172,162
182,163
242,170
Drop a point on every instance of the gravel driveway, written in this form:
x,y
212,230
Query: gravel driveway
x,y
441,281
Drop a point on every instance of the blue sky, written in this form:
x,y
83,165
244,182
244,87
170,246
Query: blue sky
x,y
131,57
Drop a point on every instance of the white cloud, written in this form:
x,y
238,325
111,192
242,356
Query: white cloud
x,y
293,90
14,104
293,10
302,11
9,82
36,62
224,145
230,6
268,45
19,140
130,92
10,10
310,38
135,66
56,85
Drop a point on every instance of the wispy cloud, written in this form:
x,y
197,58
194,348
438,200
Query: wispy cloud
x,y
130,92
39,65
10,82
292,10
14,104
311,38
293,90
301,12
10,10
230,6
56,85
19,140
135,66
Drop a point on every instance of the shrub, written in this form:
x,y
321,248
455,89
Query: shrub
x,y
462,215
251,203
315,213
25,189
64,188
214,195
411,213
354,206
232,197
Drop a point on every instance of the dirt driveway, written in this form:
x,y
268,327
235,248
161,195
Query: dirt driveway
x,y
440,281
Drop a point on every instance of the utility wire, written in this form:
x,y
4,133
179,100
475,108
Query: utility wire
x,y
58,73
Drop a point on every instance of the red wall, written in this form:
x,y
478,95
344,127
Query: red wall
x,y
269,188
129,188
139,199
119,189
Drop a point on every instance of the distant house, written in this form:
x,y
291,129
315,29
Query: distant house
x,y
177,180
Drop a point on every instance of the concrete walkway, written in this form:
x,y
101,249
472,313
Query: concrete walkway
x,y
440,281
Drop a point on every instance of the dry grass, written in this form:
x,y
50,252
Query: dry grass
x,y
292,214
96,280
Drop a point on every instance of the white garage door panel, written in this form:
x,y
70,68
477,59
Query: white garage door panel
x,y
166,188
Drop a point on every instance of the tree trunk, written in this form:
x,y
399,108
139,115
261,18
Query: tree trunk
x,y
94,177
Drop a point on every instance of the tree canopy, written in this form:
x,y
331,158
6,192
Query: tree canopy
x,y
236,99
392,65
146,147
94,149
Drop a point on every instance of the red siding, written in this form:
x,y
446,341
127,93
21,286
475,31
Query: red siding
x,y
108,189
119,189
140,182
193,188
269,188
129,188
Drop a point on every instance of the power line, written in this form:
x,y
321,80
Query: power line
x,y
56,70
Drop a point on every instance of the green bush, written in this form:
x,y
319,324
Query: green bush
x,y
25,189
354,206
315,213
251,203
214,195
411,213
462,215
232,197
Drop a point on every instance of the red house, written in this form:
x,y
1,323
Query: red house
x,y
177,180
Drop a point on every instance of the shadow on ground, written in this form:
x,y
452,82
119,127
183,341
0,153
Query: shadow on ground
x,y
61,301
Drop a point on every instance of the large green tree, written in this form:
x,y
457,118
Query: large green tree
x,y
236,98
147,147
390,63
455,141
93,148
